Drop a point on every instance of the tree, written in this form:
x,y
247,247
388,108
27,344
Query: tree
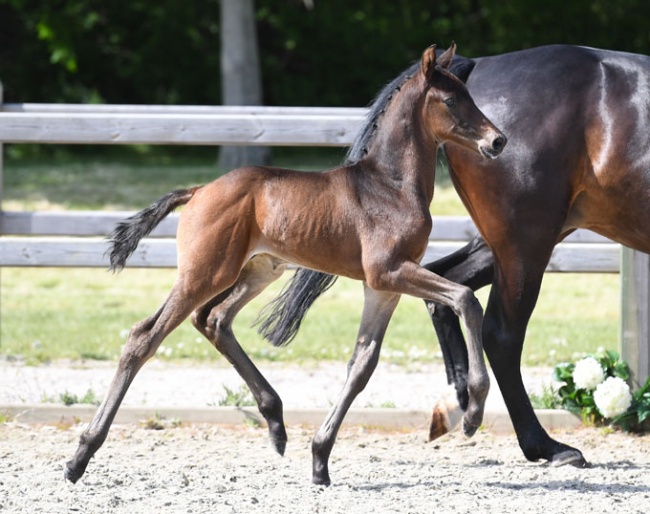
x,y
241,80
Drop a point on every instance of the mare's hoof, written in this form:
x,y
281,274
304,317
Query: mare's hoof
x,y
569,458
280,445
446,414
71,475
439,425
321,480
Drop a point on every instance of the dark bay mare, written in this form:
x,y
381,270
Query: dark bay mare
x,y
368,220
578,120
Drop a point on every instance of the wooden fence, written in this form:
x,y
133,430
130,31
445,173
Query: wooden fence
x,y
77,239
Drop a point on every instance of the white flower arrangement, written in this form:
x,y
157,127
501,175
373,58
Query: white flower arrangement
x,y
588,374
596,388
612,397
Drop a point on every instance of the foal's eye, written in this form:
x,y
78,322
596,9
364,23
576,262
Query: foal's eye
x,y
450,102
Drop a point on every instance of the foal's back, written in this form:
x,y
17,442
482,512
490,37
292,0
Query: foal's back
x,y
311,218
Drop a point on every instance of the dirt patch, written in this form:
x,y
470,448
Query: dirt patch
x,y
210,468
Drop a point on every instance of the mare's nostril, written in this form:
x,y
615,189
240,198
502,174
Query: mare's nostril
x,y
498,143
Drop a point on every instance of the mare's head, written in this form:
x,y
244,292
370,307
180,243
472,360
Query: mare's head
x,y
449,111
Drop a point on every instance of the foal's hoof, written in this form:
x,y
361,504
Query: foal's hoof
x,y
320,474
280,445
469,429
569,458
71,475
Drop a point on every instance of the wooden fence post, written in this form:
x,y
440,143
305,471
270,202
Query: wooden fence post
x,y
635,313
1,155
1,213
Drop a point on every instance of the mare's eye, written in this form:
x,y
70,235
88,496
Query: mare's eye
x,y
450,102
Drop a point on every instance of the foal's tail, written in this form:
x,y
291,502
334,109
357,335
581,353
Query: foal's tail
x,y
128,233
286,312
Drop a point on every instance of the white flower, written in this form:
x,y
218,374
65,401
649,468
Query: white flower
x,y
588,373
165,351
613,397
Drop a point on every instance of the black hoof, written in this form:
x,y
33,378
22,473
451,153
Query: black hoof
x,y
321,480
280,445
569,458
468,429
70,475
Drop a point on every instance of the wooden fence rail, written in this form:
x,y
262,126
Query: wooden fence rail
x,y
162,125
78,238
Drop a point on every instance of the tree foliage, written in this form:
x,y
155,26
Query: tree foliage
x,y
119,52
339,52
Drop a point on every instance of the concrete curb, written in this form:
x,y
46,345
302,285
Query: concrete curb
x,y
390,419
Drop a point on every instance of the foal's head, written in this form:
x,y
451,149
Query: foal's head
x,y
449,111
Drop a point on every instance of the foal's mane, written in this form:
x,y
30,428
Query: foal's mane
x,y
460,66
285,313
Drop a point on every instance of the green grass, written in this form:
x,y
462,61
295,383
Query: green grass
x,y
50,313
68,398
133,184
108,184
241,397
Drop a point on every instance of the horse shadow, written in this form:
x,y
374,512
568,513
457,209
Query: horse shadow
x,y
580,483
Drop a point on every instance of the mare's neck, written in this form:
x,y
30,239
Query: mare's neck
x,y
402,152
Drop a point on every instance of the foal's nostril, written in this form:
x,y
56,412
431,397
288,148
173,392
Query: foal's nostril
x,y
498,143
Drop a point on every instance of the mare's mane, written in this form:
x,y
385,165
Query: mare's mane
x,y
460,66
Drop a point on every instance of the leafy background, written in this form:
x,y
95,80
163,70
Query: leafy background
x,y
338,53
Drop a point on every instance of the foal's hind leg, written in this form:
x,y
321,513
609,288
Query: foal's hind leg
x,y
144,339
214,321
377,311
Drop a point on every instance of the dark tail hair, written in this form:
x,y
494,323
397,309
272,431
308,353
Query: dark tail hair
x,y
286,312
128,233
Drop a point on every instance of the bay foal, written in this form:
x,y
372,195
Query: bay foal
x,y
368,221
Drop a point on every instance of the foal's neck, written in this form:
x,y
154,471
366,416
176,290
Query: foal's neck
x,y
402,152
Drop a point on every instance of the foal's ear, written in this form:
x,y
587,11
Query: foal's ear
x,y
445,59
428,65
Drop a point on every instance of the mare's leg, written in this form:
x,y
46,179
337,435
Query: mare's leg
x,y
471,266
214,321
143,341
512,299
377,311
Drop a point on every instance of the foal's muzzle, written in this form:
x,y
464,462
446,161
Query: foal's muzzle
x,y
492,147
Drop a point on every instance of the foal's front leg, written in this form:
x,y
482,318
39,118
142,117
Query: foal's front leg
x,y
377,311
471,266
412,279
